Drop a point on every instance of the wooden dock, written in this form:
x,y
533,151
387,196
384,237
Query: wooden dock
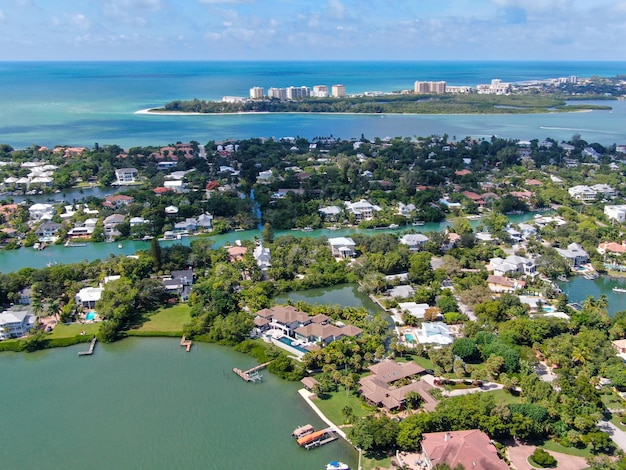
x,y
186,343
318,438
252,374
89,352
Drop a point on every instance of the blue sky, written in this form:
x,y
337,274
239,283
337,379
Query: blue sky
x,y
312,29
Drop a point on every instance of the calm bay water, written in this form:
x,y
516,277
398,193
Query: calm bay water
x,y
579,288
345,295
81,103
146,403
13,260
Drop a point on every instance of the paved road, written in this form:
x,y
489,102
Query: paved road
x,y
618,436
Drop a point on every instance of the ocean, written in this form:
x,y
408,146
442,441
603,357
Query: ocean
x,y
81,103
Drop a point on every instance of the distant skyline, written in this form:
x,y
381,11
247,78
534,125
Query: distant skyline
x,y
313,30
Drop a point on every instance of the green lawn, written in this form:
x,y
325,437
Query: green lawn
x,y
556,447
373,464
338,400
506,397
425,362
167,320
69,331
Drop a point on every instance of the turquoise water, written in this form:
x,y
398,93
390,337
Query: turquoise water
x,y
14,260
148,404
289,342
579,288
81,103
409,337
90,316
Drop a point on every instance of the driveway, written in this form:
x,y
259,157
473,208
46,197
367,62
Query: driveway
x,y
519,453
618,436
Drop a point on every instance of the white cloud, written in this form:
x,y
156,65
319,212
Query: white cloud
x,y
80,21
336,8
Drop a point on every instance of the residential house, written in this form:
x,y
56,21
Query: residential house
x,y
504,284
171,211
434,333
512,264
177,186
205,222
263,258
362,209
401,292
473,449
47,229
574,253
342,247
236,253
620,346
190,224
612,247
41,211
179,283
527,230
15,323
331,213
24,296
380,387
414,241
134,221
126,175
88,296
474,197
110,225
118,200
406,209
83,229
324,333
616,212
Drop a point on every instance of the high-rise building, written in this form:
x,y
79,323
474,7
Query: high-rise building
x,y
424,88
277,93
257,92
320,91
339,91
298,92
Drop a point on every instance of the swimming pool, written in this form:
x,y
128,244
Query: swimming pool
x,y
409,337
90,315
289,342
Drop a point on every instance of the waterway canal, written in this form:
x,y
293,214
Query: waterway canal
x,y
579,288
146,403
345,295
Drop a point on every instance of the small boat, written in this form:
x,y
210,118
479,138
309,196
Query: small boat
x,y
393,226
562,278
72,244
337,466
303,431
307,229
119,245
591,276
619,289
418,223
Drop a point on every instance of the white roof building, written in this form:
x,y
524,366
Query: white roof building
x,y
362,209
88,296
342,247
414,240
15,323
436,333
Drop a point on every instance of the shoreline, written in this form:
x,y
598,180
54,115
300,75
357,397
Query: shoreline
x,y
154,112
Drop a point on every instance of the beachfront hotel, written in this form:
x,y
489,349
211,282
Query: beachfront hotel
x,y
338,91
257,93
426,88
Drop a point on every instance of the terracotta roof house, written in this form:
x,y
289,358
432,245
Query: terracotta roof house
x,y
236,253
504,284
533,182
379,389
462,172
118,200
477,198
612,247
472,449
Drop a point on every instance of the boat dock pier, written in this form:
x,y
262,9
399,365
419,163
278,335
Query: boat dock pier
x,y
318,438
89,352
186,343
251,375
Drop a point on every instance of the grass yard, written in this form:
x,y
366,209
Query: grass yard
x,y
506,397
424,362
556,447
333,407
167,320
62,330
373,464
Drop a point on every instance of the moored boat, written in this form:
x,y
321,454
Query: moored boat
x,y
303,431
337,466
418,223
619,289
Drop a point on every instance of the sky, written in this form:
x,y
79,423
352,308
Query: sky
x,y
312,30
